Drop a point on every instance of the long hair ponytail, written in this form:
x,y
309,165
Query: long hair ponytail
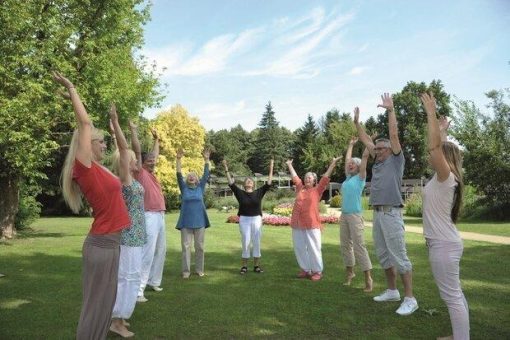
x,y
70,189
454,160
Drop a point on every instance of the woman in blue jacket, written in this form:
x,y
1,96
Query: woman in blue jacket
x,y
193,217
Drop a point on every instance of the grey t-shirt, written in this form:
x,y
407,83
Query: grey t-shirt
x,y
387,181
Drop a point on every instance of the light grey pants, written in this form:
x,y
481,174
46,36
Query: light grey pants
x,y
251,232
444,257
99,279
189,236
389,240
352,242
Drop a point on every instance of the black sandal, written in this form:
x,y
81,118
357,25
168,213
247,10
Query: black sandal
x,y
244,270
257,269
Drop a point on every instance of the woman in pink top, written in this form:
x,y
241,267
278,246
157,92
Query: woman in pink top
x,y
305,221
442,199
84,175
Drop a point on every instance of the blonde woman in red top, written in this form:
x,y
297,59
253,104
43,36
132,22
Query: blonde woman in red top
x,y
83,175
305,221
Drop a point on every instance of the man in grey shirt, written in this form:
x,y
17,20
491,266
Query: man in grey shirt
x,y
386,200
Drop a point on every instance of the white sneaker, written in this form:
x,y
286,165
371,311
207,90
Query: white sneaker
x,y
408,306
141,299
156,288
388,295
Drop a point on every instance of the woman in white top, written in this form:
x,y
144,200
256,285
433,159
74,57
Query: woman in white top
x,y
442,198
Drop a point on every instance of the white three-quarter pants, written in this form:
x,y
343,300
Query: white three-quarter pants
x,y
130,266
308,249
251,232
154,251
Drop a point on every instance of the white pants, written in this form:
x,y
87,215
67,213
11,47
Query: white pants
x,y
130,266
444,257
307,247
154,251
251,232
195,236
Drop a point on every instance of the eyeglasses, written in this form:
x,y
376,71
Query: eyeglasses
x,y
380,148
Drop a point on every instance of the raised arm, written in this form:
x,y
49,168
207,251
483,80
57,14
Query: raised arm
x,y
444,124
270,179
178,164
437,159
114,138
387,103
229,179
122,145
205,175
331,166
363,165
348,153
84,152
363,136
291,168
155,146
135,144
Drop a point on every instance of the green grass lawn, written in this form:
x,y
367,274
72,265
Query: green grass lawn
x,y
41,292
497,228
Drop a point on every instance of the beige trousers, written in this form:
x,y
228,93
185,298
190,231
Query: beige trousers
x,y
189,236
352,243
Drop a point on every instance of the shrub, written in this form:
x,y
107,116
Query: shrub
x,y
283,209
413,205
335,201
28,211
172,200
228,201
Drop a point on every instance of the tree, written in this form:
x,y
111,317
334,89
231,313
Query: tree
x,y
177,129
271,141
485,139
411,123
233,145
92,43
304,136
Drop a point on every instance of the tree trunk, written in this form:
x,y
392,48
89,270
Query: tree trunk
x,y
9,201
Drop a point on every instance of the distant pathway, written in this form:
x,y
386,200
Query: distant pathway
x,y
465,235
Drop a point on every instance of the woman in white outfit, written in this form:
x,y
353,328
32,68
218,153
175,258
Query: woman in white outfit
x,y
132,239
442,199
250,217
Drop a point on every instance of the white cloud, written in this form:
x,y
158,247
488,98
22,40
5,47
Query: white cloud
x,y
355,71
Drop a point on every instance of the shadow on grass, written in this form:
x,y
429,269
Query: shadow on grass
x,y
45,291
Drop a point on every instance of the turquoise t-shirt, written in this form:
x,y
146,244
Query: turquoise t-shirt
x,y
352,188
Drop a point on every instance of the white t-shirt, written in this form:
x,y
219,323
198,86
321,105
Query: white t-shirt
x,y
437,208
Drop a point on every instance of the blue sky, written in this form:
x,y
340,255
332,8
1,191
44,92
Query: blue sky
x,y
224,60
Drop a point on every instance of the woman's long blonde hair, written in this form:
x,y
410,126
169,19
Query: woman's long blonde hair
x,y
116,160
453,157
70,189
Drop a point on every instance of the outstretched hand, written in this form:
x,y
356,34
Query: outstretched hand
x,y
206,154
179,153
59,78
154,133
132,125
336,159
356,115
289,162
429,103
387,101
353,140
113,113
444,123
224,162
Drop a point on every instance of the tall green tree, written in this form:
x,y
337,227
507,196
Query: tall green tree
x,y
304,136
234,145
271,141
485,139
412,122
94,43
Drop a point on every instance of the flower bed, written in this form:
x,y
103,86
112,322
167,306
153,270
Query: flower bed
x,y
277,220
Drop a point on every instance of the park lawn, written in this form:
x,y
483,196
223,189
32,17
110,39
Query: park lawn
x,y
41,292
496,228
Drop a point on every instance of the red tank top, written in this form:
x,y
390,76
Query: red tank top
x,y
102,190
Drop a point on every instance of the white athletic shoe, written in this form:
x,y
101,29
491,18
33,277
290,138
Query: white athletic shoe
x,y
388,295
408,306
155,288
141,299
